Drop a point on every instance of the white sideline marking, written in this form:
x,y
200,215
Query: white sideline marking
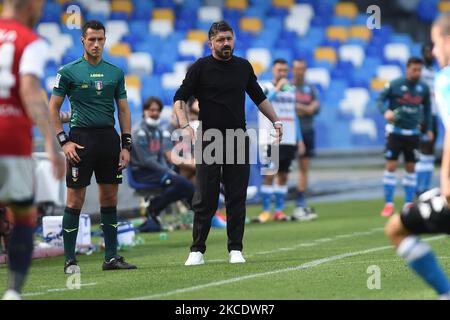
x,y
29,294
303,266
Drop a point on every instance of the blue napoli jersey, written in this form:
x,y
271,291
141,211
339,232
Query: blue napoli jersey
x,y
442,94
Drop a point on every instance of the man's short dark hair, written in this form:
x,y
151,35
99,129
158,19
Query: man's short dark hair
x,y
220,26
426,46
280,61
414,60
92,24
152,100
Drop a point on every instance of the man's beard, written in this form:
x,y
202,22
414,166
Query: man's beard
x,y
224,55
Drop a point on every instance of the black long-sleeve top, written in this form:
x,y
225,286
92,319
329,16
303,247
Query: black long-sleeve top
x,y
220,88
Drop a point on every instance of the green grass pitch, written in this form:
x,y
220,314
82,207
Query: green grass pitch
x,y
323,259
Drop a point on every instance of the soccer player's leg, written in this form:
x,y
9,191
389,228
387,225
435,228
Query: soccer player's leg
x,y
78,177
108,178
430,215
410,147
70,224
16,189
267,190
287,154
425,165
391,154
304,164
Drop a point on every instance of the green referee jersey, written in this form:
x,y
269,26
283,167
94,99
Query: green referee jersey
x,y
91,90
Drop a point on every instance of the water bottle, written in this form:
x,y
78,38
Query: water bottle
x,y
163,236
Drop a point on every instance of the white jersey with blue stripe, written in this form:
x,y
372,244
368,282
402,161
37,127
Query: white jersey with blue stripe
x,y
442,94
283,103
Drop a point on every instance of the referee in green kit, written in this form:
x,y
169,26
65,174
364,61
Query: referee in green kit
x,y
93,145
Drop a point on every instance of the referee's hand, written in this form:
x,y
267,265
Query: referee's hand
x,y
70,151
124,159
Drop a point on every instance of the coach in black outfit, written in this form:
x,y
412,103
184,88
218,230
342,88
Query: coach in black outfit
x,y
220,82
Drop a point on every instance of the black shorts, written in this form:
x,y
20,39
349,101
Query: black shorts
x,y
396,144
434,222
310,144
287,154
100,155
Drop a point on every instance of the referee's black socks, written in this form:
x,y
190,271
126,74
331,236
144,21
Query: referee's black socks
x,y
70,225
109,227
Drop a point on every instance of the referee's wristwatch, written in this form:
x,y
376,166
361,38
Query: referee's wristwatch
x,y
126,141
63,138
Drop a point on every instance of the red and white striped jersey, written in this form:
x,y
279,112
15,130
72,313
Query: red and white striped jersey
x,y
22,52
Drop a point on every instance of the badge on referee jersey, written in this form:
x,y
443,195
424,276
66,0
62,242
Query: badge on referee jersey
x,y
74,174
98,85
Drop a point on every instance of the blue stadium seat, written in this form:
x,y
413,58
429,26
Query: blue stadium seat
x,y
360,19
161,67
304,53
331,43
341,21
132,40
51,68
164,4
357,41
232,16
320,21
138,28
193,4
141,15
280,13
167,96
323,9
185,24
118,15
256,11
370,65
384,32
427,10
285,54
273,24
374,51
120,62
96,16
401,38
203,25
51,12
322,136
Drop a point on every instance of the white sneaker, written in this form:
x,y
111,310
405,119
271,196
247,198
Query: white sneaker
x,y
11,295
194,259
304,214
236,257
